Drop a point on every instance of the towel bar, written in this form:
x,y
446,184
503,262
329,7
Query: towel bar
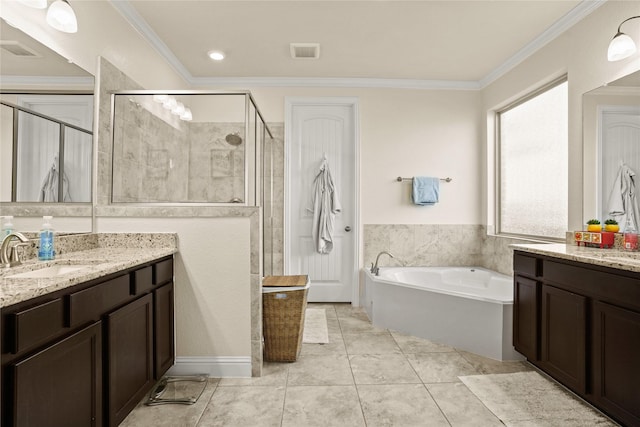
x,y
400,179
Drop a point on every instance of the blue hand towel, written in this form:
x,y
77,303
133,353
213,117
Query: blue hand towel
x,y
426,190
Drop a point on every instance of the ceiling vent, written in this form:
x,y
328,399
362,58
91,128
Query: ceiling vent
x,y
17,49
305,50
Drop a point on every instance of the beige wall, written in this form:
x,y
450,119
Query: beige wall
x,y
581,52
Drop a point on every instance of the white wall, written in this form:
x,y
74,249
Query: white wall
x,y
406,133
581,52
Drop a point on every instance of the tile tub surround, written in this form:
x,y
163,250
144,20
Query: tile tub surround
x,y
417,245
363,376
116,253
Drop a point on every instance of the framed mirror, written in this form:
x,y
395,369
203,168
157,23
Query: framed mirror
x,y
611,138
46,135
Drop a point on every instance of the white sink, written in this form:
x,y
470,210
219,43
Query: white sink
x,y
53,271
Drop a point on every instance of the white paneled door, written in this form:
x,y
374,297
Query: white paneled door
x,y
317,129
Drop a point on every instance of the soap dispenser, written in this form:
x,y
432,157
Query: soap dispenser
x,y
45,252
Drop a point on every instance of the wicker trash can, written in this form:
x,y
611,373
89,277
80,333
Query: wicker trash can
x,y
284,300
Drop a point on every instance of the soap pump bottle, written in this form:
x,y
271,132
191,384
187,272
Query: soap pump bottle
x,y
45,252
7,227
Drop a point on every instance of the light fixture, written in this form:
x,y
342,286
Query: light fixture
x,y
61,17
216,55
621,46
36,4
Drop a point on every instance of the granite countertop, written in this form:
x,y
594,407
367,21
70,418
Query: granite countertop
x,y
612,258
99,262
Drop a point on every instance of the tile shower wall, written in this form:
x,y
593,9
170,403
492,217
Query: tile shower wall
x,y
152,164
274,206
437,245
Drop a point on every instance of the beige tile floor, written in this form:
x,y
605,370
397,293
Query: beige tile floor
x,y
364,376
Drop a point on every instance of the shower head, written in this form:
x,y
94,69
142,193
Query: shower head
x,y
233,139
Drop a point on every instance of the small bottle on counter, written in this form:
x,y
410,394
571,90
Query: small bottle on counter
x,y
630,236
7,227
46,251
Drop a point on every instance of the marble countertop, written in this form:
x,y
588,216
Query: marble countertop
x,y
612,258
96,262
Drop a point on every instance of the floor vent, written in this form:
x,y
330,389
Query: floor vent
x,y
305,50
17,49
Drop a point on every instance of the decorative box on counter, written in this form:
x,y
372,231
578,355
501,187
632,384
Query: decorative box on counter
x,y
603,239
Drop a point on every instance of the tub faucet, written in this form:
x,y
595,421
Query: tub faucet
x,y
8,253
374,268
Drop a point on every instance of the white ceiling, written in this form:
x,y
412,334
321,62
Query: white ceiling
x,y
448,41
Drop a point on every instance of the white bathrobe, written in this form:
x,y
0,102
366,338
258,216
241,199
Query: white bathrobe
x,y
325,207
49,188
623,205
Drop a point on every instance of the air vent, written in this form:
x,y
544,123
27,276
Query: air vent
x,y
17,49
305,50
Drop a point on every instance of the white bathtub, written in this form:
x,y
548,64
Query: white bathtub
x,y
469,308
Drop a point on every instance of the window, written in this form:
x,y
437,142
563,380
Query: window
x,y
533,163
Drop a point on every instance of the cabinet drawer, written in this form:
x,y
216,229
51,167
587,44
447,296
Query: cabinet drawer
x,y
89,304
35,325
526,265
163,272
142,280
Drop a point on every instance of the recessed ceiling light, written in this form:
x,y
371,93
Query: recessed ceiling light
x,y
216,55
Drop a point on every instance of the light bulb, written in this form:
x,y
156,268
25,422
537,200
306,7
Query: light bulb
x,y
170,103
178,109
216,55
61,17
186,115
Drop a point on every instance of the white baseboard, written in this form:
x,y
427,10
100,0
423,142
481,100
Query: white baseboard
x,y
215,367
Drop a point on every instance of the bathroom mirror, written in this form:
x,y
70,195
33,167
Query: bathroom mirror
x,y
186,147
611,138
46,128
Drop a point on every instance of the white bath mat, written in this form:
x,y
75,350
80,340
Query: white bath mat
x,y
315,326
528,398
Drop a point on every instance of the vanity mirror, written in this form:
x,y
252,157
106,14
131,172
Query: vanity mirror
x,y
46,140
611,141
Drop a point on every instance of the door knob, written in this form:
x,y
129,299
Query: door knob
x,y
347,229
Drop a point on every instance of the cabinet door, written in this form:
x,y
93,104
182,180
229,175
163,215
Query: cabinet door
x,y
526,301
62,384
616,371
163,330
563,337
130,355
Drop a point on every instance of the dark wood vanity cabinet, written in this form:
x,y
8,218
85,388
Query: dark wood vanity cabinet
x,y
580,323
86,355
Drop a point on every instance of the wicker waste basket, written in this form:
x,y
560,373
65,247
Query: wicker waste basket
x,y
284,300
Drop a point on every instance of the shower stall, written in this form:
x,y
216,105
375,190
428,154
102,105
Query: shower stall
x,y
197,148
47,146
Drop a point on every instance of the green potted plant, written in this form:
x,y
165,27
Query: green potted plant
x,y
594,225
611,225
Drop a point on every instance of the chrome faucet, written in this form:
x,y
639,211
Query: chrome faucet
x,y
374,268
8,253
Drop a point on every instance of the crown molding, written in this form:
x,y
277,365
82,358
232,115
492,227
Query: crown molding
x,y
576,14
335,82
47,81
132,16
582,10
